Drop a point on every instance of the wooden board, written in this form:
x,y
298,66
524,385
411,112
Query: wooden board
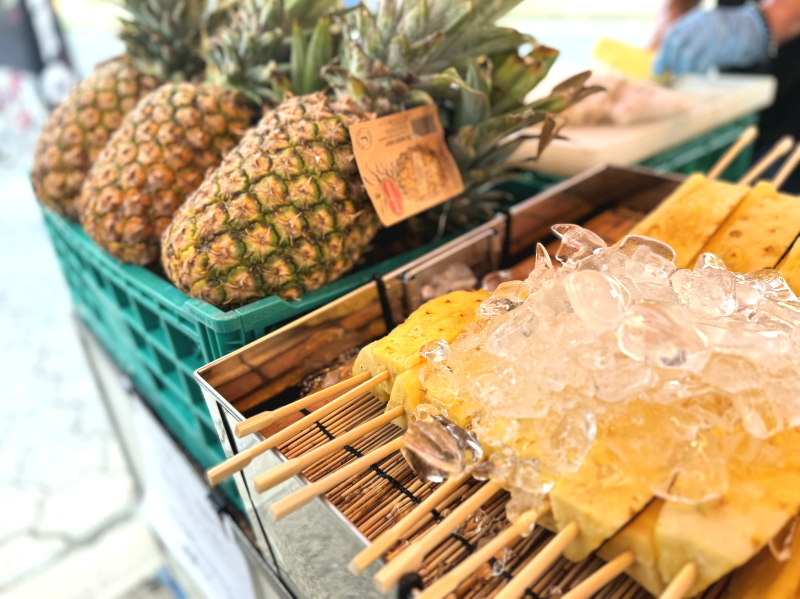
x,y
718,101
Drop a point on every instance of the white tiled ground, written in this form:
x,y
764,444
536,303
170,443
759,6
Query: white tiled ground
x,y
68,510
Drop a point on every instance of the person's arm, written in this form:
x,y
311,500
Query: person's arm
x,y
783,17
670,11
727,37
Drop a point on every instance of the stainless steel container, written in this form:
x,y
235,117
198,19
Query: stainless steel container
x,y
312,547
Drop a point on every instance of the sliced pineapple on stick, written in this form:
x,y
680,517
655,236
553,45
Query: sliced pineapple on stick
x,y
763,495
441,318
768,576
704,203
162,39
741,242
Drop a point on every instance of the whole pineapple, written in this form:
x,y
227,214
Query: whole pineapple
x,y
161,38
178,132
287,211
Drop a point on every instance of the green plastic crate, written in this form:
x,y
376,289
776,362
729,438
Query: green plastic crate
x,y
159,336
695,156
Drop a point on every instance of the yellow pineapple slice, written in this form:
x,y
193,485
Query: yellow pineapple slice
x,y
442,318
408,392
763,495
764,577
689,217
638,536
602,497
759,231
789,267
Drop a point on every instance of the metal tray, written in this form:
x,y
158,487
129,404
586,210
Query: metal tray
x,y
311,548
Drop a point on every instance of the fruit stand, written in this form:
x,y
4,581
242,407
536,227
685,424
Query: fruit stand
x,y
370,316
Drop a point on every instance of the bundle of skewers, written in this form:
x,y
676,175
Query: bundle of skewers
x,y
473,488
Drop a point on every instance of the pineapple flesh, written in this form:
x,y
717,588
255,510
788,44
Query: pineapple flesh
x,y
703,203
79,128
741,241
285,213
442,318
153,161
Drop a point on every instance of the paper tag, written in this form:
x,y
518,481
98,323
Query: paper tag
x,y
405,163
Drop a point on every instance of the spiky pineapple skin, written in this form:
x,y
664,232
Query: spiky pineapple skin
x,y
285,213
79,128
156,158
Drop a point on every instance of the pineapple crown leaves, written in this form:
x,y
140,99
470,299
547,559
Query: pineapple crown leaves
x,y
388,50
485,111
265,49
163,37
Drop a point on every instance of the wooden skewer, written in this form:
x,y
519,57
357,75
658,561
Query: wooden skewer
x,y
263,420
682,582
534,569
413,555
384,542
602,577
286,470
233,465
788,168
780,149
746,138
292,503
448,582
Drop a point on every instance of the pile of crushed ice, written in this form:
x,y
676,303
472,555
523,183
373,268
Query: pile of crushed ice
x,y
617,343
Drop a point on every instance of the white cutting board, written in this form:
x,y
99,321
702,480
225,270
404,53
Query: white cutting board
x,y
718,100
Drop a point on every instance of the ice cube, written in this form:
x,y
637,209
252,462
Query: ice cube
x,y
512,334
701,473
552,300
499,564
776,286
706,293
542,271
661,334
577,244
631,244
760,416
495,306
437,350
474,524
731,373
572,438
431,451
748,293
656,291
597,298
646,265
515,291
777,314
709,260
607,260
626,381
468,444
747,339
494,278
